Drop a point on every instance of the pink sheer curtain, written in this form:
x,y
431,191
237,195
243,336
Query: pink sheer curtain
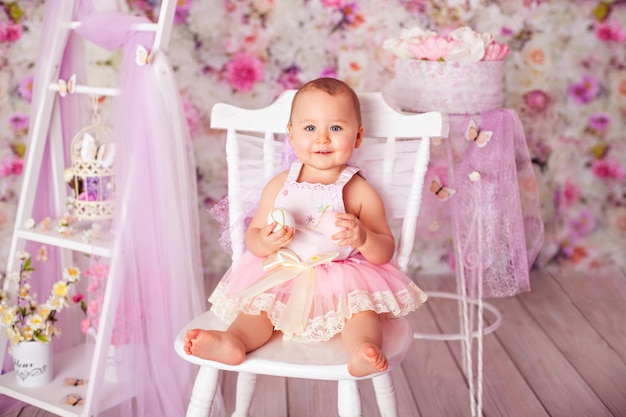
x,y
156,222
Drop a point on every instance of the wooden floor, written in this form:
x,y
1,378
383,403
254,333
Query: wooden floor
x,y
560,351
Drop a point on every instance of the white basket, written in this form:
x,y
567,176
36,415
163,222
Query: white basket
x,y
93,185
448,87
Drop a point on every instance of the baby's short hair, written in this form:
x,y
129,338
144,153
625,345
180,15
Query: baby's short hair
x,y
333,87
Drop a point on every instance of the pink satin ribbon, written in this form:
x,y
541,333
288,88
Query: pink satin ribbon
x,y
285,265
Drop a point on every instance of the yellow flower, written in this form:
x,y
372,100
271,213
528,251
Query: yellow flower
x,y
7,317
36,321
14,336
60,289
44,311
24,290
56,303
71,274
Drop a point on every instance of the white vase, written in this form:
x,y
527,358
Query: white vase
x,y
32,362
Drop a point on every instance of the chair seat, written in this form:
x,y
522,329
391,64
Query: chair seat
x,y
322,360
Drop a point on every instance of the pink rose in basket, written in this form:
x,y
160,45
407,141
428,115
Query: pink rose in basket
x,y
435,48
496,51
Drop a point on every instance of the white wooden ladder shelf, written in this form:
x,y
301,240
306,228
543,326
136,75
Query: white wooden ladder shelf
x,y
46,127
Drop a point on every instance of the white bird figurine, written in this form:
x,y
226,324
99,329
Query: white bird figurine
x,y
88,149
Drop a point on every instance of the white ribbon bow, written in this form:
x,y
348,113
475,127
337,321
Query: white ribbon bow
x,y
285,265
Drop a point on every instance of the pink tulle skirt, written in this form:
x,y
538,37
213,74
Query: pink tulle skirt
x,y
339,290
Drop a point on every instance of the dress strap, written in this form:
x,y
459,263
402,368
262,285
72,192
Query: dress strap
x,y
346,175
294,171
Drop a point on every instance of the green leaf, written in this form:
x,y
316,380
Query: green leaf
x,y
27,265
42,338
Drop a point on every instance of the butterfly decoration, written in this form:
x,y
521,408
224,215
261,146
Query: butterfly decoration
x,y
90,151
67,87
443,193
473,133
74,382
142,56
74,400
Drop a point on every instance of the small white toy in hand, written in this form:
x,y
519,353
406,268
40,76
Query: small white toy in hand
x,y
282,217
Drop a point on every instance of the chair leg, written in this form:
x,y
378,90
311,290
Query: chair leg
x,y
245,390
385,395
348,399
203,392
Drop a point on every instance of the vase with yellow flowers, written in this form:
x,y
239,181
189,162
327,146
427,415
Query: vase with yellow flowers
x,y
30,325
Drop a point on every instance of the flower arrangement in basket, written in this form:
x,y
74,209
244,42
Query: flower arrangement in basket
x,y
24,319
462,44
459,72
91,176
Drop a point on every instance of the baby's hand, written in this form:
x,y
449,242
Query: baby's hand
x,y
353,233
276,240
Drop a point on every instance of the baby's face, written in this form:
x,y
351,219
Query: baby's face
x,y
324,129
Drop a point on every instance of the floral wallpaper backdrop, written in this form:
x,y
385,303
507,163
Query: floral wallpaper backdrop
x,y
565,77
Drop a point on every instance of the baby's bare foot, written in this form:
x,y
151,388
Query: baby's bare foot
x,y
191,335
215,346
367,359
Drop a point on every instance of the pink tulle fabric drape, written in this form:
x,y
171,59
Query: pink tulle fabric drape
x,y
156,251
493,217
156,256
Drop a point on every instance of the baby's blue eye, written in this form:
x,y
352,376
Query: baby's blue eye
x,y
335,128
309,128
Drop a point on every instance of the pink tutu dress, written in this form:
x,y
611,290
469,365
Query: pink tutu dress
x,y
309,289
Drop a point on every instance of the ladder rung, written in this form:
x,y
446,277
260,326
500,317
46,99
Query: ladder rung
x,y
87,89
97,247
139,27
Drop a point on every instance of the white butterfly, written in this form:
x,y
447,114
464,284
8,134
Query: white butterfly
x,y
104,153
481,137
68,86
142,56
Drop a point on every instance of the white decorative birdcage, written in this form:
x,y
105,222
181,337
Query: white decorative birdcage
x,y
92,175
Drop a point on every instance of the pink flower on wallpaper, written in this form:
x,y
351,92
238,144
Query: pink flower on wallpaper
x,y
610,31
582,225
496,52
10,33
332,3
571,193
349,11
607,168
566,196
599,122
585,91
330,72
192,115
288,78
25,88
11,165
182,11
19,122
244,70
536,100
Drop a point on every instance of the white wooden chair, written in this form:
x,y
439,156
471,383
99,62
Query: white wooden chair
x,y
394,157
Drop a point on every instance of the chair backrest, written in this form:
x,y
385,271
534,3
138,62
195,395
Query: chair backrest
x,y
394,157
